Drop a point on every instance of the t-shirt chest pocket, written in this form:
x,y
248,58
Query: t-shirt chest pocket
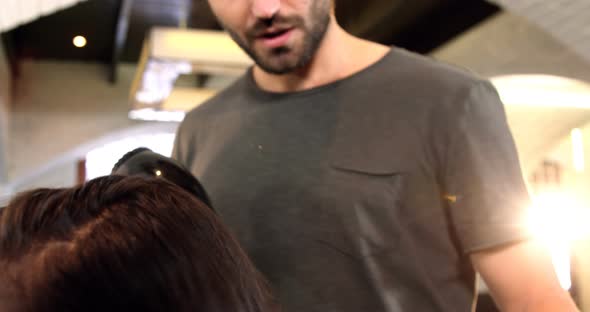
x,y
364,199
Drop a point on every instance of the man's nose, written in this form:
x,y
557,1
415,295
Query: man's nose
x,y
265,9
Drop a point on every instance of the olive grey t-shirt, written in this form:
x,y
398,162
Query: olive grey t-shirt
x,y
366,194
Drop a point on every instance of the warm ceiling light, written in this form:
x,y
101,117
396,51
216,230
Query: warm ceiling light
x,y
79,41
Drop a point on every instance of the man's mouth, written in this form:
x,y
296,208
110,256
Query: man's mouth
x,y
275,38
274,33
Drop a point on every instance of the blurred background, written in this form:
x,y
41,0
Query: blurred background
x,y
83,82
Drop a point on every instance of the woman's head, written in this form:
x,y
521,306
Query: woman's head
x,y
122,244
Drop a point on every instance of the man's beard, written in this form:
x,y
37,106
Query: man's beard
x,y
281,60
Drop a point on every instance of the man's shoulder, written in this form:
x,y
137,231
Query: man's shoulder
x,y
423,84
431,73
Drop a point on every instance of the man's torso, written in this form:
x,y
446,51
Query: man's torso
x,y
335,192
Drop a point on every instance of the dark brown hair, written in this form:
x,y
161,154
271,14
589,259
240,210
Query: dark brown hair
x,y
122,244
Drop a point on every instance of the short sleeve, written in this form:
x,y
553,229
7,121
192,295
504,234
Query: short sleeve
x,y
487,195
176,149
183,149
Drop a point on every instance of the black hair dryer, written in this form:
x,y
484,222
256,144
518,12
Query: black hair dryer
x,y
144,162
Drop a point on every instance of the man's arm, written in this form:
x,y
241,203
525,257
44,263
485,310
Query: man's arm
x,y
521,278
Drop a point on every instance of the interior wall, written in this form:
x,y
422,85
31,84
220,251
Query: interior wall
x,y
59,106
58,112
577,184
63,175
5,97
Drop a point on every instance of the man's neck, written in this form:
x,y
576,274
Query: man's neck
x,y
338,56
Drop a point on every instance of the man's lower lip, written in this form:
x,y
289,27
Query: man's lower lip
x,y
277,41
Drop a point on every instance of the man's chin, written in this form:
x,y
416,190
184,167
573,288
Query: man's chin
x,y
277,66
280,68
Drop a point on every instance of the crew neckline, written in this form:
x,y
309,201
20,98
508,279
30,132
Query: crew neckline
x,y
259,92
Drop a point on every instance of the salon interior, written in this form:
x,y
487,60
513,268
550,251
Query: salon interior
x,y
82,82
